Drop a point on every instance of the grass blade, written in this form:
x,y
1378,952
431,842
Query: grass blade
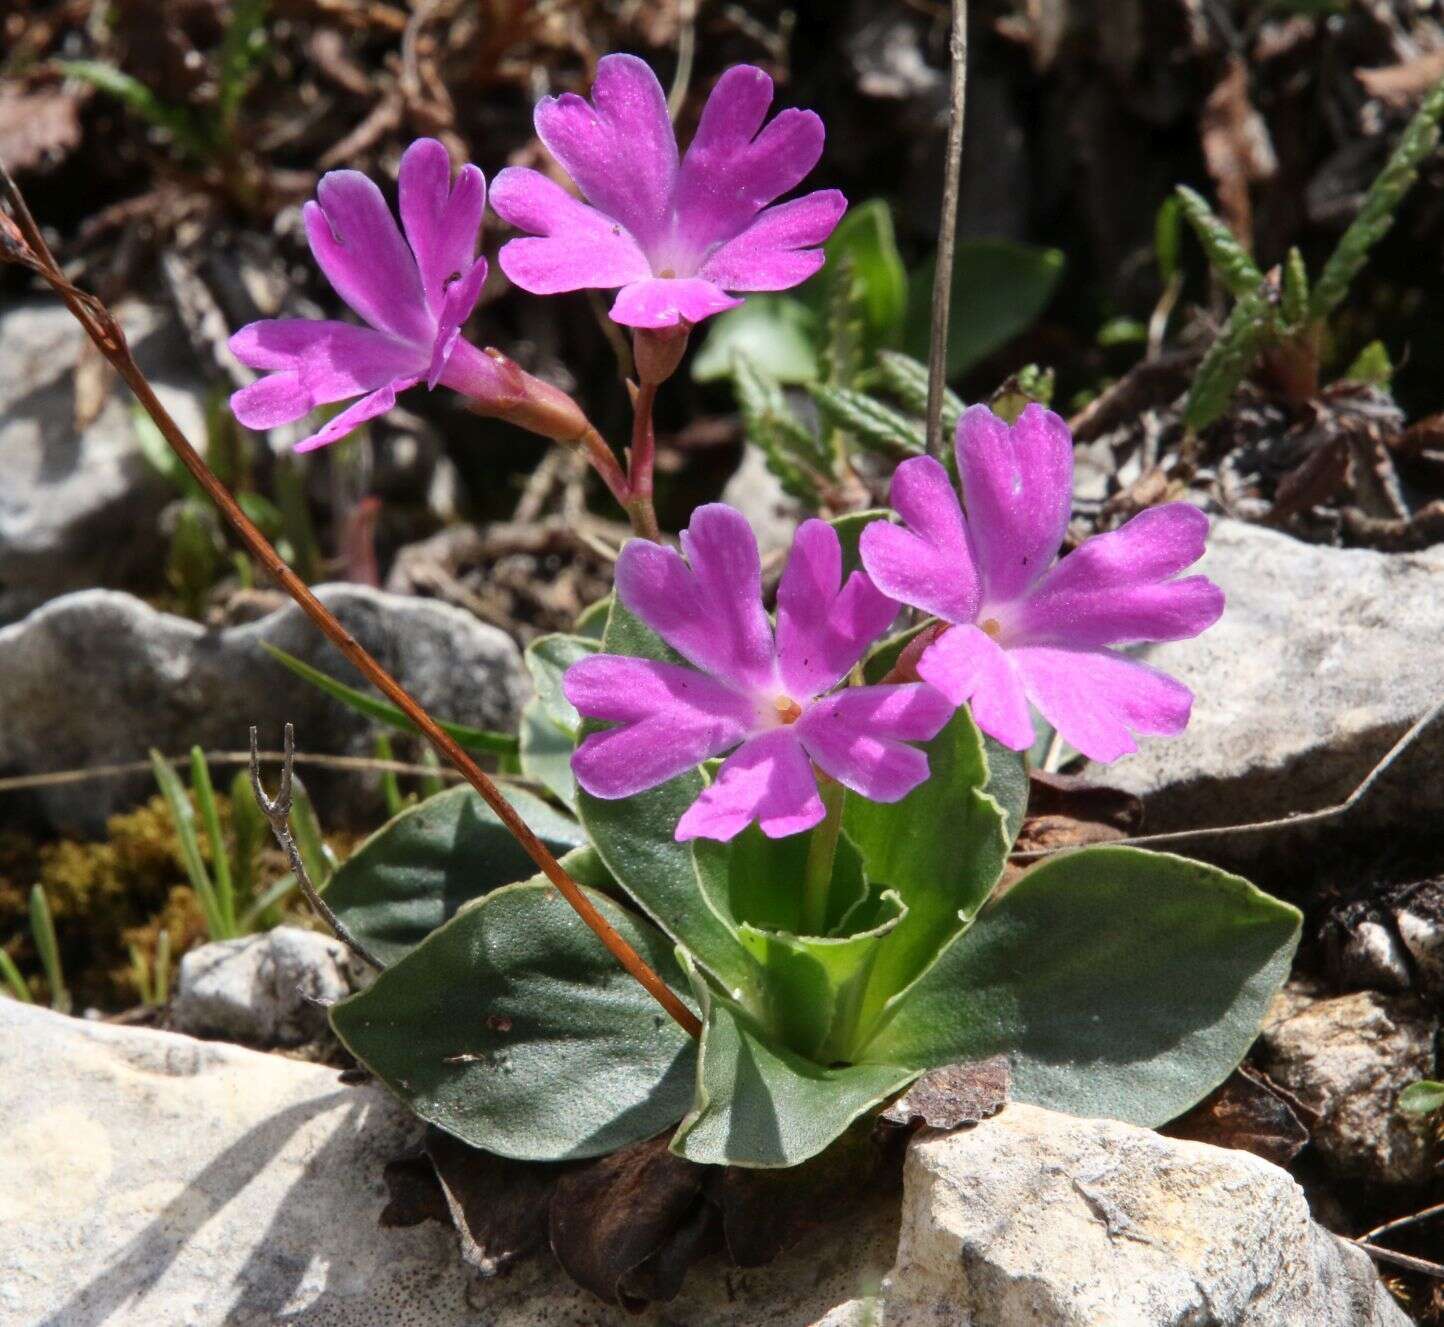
x,y
42,927
14,980
205,797
184,819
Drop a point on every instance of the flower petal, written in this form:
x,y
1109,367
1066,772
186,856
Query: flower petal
x,y
858,736
731,172
711,612
1019,487
928,564
456,306
357,244
823,626
773,253
323,362
968,665
442,220
1094,697
666,302
356,414
673,719
619,147
577,247
1114,589
767,779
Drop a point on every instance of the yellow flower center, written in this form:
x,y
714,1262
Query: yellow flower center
x,y
788,710
992,627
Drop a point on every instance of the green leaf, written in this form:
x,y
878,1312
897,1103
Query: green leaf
x,y
1371,365
546,753
177,121
866,242
1294,298
762,1105
1228,258
383,711
999,289
1122,331
1380,204
592,620
907,379
513,1029
417,870
877,426
1425,1097
636,839
777,330
1119,983
849,534
942,848
1229,359
547,660
1168,237
242,46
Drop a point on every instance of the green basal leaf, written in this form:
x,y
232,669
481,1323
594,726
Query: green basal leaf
x,y
635,837
545,753
1371,365
1226,256
877,427
373,707
592,620
999,289
1229,359
418,870
1118,982
513,1029
816,985
907,379
547,660
866,242
760,1105
779,331
849,534
942,848
1425,1097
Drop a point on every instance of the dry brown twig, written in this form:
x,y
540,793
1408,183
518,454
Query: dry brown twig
x,y
21,242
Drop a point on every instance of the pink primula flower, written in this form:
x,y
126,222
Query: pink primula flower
x,y
414,293
766,696
674,235
1027,628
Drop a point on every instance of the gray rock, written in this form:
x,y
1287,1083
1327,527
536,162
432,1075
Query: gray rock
x,y
1035,1219
97,678
1421,929
271,989
79,507
1372,957
1348,1057
1323,657
758,494
150,1179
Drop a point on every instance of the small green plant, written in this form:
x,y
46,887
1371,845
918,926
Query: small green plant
x,y
42,932
1425,1097
1279,323
226,889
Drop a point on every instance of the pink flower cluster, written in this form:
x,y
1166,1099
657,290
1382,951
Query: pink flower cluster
x,y
1018,625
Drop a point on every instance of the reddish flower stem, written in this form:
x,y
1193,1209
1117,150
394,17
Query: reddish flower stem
x,y
27,246
642,463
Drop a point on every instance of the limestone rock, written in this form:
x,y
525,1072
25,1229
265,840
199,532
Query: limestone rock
x,y
79,506
1035,1219
98,677
270,989
1322,658
758,494
1348,1057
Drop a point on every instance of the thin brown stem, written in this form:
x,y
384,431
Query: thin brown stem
x,y
947,230
27,246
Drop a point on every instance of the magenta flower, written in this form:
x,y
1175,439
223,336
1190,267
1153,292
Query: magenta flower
x,y
766,697
674,236
414,293
1025,628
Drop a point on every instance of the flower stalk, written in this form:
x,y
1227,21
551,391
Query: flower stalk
x,y
821,854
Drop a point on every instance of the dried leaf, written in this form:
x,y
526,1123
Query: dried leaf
x,y
1236,148
627,1225
955,1095
1250,1112
1312,482
498,1206
1403,83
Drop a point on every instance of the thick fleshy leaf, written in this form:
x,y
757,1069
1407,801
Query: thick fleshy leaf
x,y
927,564
547,659
816,985
709,608
1019,484
512,1028
824,625
636,839
619,147
570,247
442,219
1118,983
358,245
759,1104
416,871
1097,699
942,848
545,752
